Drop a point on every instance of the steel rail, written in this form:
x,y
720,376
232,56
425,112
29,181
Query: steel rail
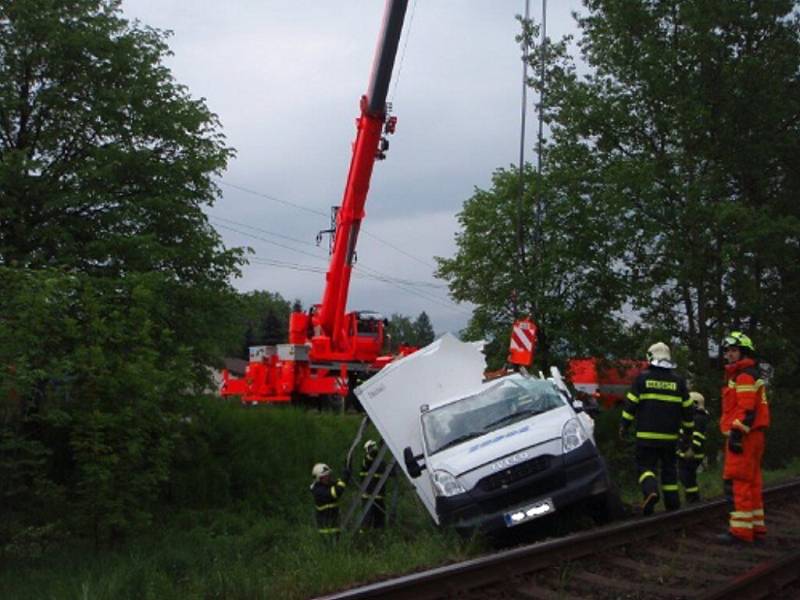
x,y
766,580
501,567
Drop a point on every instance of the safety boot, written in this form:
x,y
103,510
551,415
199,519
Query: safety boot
x,y
649,504
729,539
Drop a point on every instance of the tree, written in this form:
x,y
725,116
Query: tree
x,y
423,330
401,331
261,318
105,161
565,280
114,289
691,118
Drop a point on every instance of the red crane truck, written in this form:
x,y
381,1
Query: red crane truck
x,y
329,349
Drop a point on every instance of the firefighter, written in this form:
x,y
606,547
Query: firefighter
x,y
658,402
327,493
376,517
744,420
690,458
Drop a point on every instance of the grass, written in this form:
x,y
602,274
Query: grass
x,y
240,522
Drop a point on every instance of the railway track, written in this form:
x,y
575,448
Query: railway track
x,y
667,556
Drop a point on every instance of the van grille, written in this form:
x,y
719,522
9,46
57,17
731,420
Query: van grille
x,y
512,474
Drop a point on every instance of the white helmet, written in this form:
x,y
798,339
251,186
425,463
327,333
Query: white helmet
x,y
320,470
659,355
698,399
370,446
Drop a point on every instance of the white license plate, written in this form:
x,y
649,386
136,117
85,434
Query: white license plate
x,y
528,513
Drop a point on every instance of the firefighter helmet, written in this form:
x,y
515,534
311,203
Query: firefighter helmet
x,y
370,446
697,399
320,470
739,340
659,355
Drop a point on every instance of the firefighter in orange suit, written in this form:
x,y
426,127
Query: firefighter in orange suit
x,y
745,418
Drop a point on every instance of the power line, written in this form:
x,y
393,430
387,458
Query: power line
x,y
263,239
397,249
272,198
259,229
320,213
358,269
403,285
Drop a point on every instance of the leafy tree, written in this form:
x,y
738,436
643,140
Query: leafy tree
x,y
690,117
565,280
92,405
114,292
260,318
401,331
106,162
423,330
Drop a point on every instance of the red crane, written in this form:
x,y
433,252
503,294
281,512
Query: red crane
x,y
329,348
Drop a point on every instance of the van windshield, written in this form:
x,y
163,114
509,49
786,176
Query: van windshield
x,y
507,401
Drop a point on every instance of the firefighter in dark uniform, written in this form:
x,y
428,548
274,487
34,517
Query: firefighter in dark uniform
x,y
376,517
659,404
691,458
327,493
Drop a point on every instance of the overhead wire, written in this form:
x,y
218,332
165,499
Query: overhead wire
x,y
408,286
320,213
318,256
403,52
402,285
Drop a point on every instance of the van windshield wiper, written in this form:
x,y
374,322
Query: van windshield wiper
x,y
512,417
462,438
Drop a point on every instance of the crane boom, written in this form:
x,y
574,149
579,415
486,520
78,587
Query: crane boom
x,y
368,147
328,349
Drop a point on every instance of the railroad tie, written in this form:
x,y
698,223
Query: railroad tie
x,y
629,586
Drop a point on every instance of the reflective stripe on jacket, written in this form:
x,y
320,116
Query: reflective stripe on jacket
x,y
326,503
366,465
701,418
659,404
744,398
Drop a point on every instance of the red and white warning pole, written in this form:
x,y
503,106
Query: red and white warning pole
x,y
523,342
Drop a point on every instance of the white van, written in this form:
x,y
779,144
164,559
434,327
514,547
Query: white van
x,y
484,454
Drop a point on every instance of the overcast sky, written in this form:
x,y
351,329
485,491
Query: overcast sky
x,y
285,78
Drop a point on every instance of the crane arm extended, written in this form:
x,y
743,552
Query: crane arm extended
x,y
368,147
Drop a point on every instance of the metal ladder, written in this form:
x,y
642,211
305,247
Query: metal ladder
x,y
354,519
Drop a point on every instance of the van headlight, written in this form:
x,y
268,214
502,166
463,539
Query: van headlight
x,y
572,435
446,485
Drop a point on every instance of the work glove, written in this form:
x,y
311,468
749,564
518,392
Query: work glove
x,y
623,433
686,454
346,475
735,441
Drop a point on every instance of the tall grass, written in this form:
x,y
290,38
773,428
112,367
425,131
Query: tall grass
x,y
238,520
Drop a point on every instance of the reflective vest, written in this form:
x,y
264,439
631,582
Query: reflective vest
x,y
744,398
659,404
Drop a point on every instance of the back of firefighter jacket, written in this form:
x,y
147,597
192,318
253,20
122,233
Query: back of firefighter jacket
x,y
659,403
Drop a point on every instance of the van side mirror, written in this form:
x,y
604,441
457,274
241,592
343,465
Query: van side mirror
x,y
412,463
